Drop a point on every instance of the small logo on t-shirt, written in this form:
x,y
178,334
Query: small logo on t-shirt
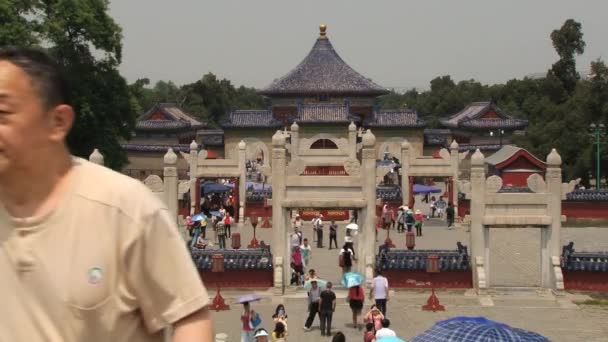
x,y
95,275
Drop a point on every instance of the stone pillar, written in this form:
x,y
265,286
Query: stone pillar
x,y
96,157
478,191
367,239
295,140
279,240
553,179
170,182
242,182
405,171
455,160
193,171
352,140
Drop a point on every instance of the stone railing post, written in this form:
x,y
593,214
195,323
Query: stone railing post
x,y
193,171
478,192
170,182
352,140
242,182
454,160
553,179
367,239
279,164
295,140
96,157
405,171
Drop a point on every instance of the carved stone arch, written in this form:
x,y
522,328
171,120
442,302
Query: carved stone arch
x,y
342,143
254,147
393,146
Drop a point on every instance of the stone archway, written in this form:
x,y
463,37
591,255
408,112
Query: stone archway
x,y
256,146
306,144
392,146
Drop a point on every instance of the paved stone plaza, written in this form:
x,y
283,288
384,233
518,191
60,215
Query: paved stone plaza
x,y
559,320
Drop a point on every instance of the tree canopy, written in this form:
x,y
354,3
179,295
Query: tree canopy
x,y
87,42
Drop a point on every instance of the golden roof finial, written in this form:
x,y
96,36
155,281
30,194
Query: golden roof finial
x,y
322,29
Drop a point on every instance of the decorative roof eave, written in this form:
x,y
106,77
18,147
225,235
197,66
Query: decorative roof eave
x,y
164,126
155,148
482,147
486,124
419,124
274,125
316,92
588,195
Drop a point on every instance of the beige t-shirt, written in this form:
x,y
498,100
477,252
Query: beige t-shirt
x,y
106,265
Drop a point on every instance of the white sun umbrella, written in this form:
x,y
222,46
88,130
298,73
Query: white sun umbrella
x,y
352,226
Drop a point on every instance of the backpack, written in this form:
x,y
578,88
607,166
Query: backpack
x,y
347,259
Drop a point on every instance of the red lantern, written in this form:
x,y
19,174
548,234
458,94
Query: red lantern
x,y
432,264
410,240
217,263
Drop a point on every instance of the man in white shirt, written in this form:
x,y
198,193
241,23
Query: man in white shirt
x,y
379,291
385,331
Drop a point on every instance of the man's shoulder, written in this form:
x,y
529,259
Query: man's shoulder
x,y
110,188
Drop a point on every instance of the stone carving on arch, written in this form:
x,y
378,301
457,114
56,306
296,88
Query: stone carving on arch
x,y
342,143
393,146
536,183
493,184
255,147
154,183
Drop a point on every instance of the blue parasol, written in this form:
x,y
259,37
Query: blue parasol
x,y
350,279
210,187
248,298
320,283
390,339
216,214
476,329
425,189
198,217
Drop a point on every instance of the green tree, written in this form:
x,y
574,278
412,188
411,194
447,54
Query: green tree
x,y
568,42
86,41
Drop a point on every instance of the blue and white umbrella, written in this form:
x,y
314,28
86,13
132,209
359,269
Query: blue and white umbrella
x,y
476,329
350,279
198,217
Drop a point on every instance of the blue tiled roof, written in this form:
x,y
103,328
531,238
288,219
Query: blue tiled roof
x,y
175,119
324,113
416,260
572,260
587,195
389,193
482,147
395,118
249,118
323,72
471,118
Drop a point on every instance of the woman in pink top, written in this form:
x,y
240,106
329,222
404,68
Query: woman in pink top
x,y
248,328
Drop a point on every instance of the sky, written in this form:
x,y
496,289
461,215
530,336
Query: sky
x,y
398,44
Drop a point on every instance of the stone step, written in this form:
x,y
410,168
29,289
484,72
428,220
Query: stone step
x,y
520,291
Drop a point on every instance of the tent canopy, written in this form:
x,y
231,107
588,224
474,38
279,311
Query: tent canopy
x,y
425,189
209,187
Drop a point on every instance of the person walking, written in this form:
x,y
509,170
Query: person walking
x,y
306,251
314,297
196,230
294,239
409,219
327,306
355,298
441,205
298,267
319,226
433,206
220,231
204,227
279,334
347,255
297,226
379,291
250,321
375,317
400,220
227,223
418,221
449,214
333,234
58,272
314,227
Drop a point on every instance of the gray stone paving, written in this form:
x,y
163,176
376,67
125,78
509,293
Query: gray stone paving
x,y
552,318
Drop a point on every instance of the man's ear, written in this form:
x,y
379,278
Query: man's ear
x,y
60,120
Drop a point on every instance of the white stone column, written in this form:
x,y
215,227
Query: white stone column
x,y
454,160
96,157
279,245
478,191
193,173
170,182
405,172
352,140
553,179
295,140
367,240
242,182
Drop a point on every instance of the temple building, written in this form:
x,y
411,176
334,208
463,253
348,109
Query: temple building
x,y
482,125
323,96
163,126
